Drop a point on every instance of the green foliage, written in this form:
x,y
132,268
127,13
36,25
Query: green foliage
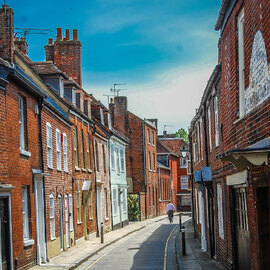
x,y
182,134
133,207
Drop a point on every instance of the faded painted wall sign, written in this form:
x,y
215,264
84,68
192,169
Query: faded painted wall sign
x,y
259,78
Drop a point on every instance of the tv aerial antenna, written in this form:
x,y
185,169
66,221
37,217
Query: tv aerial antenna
x,y
116,91
167,126
23,32
108,97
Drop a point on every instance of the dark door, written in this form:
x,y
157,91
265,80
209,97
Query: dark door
x,y
4,234
242,231
263,212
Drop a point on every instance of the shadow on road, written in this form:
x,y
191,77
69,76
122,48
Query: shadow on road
x,y
150,253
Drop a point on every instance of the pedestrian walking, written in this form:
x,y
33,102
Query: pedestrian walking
x,y
169,210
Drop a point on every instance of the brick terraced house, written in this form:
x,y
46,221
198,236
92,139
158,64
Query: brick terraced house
x,y
183,184
231,143
141,157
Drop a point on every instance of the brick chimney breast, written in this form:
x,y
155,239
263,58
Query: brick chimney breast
x,y
7,33
119,111
66,54
21,45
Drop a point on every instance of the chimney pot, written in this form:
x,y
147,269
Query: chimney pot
x,y
59,34
50,41
67,34
75,34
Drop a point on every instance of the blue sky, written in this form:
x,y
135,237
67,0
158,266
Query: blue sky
x,y
164,51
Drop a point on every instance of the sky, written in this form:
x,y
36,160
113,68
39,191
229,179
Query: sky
x,y
163,51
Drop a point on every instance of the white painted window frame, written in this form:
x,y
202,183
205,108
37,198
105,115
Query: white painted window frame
x,y
209,128
184,182
216,121
58,149
241,63
70,212
21,123
26,235
52,216
65,152
49,145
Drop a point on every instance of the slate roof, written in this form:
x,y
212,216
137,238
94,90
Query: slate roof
x,y
47,68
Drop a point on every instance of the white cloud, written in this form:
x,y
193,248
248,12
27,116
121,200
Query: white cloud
x,y
172,97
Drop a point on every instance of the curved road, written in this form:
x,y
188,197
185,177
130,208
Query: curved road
x,y
150,248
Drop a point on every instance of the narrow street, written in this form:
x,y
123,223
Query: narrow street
x,y
150,248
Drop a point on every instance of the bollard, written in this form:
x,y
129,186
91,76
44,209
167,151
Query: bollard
x,y
101,233
183,241
180,221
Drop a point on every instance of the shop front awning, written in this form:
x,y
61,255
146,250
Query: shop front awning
x,y
254,155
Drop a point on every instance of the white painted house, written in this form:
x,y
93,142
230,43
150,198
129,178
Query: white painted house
x,y
118,179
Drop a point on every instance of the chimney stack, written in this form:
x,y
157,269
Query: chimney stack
x,y
75,34
21,45
7,33
59,34
66,54
67,34
120,116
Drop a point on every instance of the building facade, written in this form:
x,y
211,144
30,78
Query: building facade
x,y
230,141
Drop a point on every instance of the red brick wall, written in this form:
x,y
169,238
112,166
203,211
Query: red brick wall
x,y
20,169
102,176
134,153
151,173
56,182
165,188
81,175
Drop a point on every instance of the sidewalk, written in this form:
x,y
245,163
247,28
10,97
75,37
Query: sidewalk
x,y
195,258
82,251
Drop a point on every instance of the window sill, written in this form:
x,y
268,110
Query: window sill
x,y
106,219
83,170
59,170
28,242
239,119
79,223
50,167
90,171
66,171
71,230
25,153
53,238
77,169
91,219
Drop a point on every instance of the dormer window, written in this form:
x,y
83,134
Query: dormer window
x,y
101,116
61,86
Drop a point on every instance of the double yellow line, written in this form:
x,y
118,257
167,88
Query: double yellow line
x,y
166,247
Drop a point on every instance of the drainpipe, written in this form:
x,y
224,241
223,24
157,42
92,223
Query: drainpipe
x,y
191,172
144,169
40,106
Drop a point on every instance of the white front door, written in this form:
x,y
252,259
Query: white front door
x,y
66,219
40,222
99,208
202,221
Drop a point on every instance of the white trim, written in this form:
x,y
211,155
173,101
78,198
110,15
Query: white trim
x,y
25,153
241,63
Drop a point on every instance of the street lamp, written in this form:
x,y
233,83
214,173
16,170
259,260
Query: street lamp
x,y
184,152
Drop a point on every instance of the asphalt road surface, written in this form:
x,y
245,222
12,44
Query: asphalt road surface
x,y
150,248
